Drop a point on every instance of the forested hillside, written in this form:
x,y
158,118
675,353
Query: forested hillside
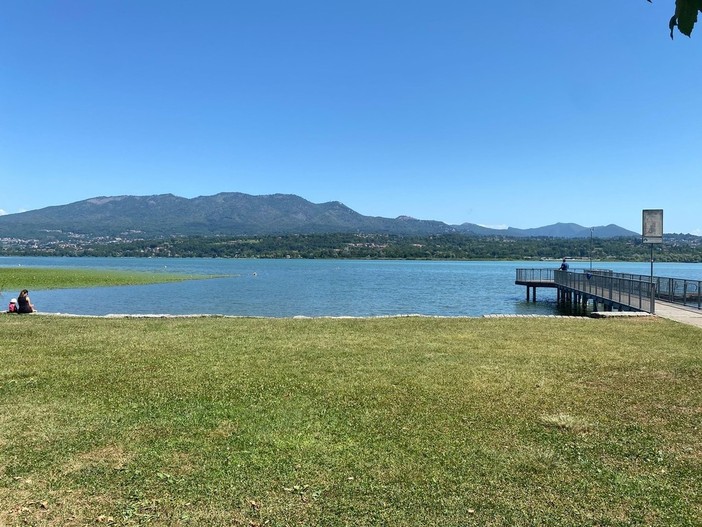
x,y
123,218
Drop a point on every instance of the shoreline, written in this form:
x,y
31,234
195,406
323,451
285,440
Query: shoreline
x,y
330,317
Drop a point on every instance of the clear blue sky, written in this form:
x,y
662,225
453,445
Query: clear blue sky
x,y
497,113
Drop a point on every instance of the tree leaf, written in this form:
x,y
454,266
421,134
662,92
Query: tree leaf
x,y
685,16
672,24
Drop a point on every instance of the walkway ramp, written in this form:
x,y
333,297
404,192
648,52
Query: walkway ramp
x,y
684,315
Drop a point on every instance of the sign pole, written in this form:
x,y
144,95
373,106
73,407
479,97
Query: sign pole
x,y
652,233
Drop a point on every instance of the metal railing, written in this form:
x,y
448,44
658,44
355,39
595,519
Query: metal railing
x,y
674,290
535,275
627,292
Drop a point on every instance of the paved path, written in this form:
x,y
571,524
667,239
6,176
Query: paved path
x,y
681,314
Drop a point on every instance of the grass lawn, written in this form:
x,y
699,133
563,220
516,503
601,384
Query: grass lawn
x,y
14,279
359,422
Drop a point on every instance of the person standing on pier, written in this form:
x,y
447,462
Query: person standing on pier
x,y
564,265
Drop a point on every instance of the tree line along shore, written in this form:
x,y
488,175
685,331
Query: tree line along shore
x,y
677,248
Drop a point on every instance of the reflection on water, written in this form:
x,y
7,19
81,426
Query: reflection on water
x,y
286,288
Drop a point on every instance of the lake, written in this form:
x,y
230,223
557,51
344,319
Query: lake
x,y
314,288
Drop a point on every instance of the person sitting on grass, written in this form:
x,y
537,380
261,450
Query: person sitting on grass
x,y
24,304
12,306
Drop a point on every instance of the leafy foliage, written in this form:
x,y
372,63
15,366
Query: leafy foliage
x,y
685,16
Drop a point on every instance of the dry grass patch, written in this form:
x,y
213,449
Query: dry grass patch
x,y
563,421
111,456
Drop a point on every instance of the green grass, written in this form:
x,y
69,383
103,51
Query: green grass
x,y
363,422
32,278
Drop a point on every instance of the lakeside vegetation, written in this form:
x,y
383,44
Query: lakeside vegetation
x,y
678,248
395,421
12,278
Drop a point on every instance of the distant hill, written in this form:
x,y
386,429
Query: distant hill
x,y
572,230
237,214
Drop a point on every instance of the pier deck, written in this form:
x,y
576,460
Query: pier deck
x,y
681,298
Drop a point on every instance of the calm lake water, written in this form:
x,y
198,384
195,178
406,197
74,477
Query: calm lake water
x,y
287,288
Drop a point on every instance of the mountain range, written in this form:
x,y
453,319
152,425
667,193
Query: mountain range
x,y
237,214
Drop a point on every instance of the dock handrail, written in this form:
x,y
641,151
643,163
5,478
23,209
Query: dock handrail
x,y
675,290
535,275
630,292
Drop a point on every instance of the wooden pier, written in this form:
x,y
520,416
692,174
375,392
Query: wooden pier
x,y
577,288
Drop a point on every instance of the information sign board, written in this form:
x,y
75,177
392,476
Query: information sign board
x,y
652,230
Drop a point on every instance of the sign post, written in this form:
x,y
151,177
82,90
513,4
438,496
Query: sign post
x,y
652,233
